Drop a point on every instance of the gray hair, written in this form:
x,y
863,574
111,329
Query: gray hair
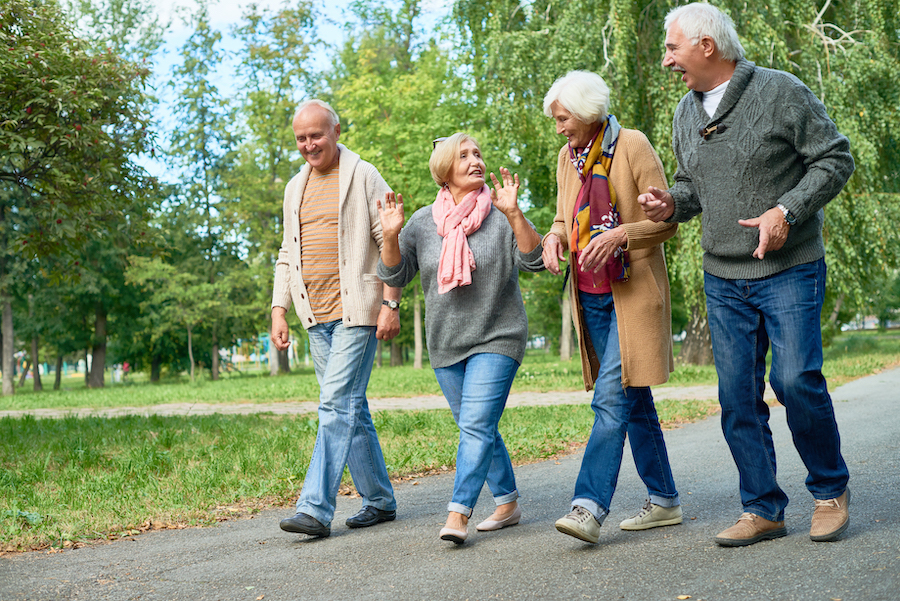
x,y
700,19
582,93
332,114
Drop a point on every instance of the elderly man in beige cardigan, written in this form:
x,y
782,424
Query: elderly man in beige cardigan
x,y
620,299
326,268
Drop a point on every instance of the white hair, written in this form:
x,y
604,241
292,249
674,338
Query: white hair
x,y
698,20
332,114
582,93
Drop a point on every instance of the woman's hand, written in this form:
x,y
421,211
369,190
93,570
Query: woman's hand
x,y
552,253
506,197
391,214
602,248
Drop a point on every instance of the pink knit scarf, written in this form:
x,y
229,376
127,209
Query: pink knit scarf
x,y
454,223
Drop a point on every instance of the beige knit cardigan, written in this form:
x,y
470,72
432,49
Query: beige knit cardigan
x,y
643,306
359,244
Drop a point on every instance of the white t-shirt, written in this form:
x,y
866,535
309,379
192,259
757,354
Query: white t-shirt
x,y
712,98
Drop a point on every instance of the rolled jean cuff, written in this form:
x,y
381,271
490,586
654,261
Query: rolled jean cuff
x,y
598,512
665,501
457,508
507,498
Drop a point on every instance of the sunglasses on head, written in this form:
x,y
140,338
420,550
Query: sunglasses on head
x,y
436,141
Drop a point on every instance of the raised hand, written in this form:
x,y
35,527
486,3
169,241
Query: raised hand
x,y
506,197
391,214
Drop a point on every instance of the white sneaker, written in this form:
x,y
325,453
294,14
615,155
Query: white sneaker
x,y
580,523
653,516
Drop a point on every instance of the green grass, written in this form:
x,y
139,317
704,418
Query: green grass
x,y
65,481
85,479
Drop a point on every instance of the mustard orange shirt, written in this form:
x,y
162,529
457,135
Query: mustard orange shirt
x,y
319,244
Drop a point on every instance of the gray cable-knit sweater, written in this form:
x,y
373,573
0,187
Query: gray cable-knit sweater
x,y
778,146
487,316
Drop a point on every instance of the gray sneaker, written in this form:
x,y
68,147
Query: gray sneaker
x,y
580,523
653,516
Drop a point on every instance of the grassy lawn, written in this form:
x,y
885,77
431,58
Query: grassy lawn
x,y
67,481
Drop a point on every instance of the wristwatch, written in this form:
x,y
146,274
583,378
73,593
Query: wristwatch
x,y
788,216
391,304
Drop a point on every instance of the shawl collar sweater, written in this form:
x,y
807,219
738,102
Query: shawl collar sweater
x,y
359,244
778,145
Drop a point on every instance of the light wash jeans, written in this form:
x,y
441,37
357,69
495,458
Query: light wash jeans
x,y
476,389
618,410
346,437
745,317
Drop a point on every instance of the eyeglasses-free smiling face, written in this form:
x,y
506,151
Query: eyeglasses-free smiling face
x,y
577,132
316,137
467,172
689,59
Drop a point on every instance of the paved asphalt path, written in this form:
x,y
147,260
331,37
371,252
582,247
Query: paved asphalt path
x,y
252,559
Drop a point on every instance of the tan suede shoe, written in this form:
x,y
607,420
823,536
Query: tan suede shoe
x,y
830,518
750,528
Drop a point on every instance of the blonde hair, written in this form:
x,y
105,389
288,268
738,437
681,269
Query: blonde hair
x,y
444,154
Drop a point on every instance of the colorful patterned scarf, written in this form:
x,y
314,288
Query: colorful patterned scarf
x,y
597,207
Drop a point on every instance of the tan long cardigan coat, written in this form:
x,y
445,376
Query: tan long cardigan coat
x,y
643,307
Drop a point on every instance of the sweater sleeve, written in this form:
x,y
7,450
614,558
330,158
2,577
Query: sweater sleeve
x,y
687,201
825,152
403,272
647,170
376,188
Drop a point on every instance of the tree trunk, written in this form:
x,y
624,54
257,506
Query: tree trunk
x,y
284,361
396,355
417,328
214,359
155,367
25,369
98,354
565,334
57,380
35,358
9,349
191,352
697,347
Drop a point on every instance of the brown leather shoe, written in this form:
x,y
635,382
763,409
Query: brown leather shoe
x,y
830,518
750,528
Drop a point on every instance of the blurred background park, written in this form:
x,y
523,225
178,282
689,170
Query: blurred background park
x,y
146,146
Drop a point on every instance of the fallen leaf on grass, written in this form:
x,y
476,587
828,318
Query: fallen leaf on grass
x,y
683,597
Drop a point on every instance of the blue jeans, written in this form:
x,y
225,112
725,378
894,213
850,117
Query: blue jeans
x,y
745,317
346,437
476,389
618,411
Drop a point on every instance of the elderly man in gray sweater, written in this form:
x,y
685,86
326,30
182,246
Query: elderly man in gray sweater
x,y
758,159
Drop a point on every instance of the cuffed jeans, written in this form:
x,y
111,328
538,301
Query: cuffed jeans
x,y
476,389
745,317
346,437
618,411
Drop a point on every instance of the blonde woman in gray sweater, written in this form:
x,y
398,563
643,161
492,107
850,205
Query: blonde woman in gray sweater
x,y
469,246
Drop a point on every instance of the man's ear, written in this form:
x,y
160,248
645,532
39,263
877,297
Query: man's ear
x,y
337,132
708,46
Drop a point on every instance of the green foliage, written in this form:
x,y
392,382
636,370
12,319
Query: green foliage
x,y
71,121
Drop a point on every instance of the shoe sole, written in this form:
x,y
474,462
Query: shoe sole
x,y
368,524
656,524
453,538
572,531
298,530
743,542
